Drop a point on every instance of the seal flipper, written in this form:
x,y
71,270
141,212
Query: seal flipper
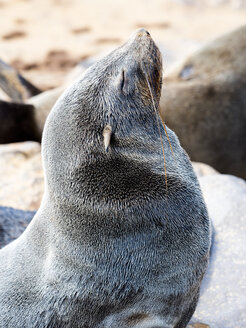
x,y
15,85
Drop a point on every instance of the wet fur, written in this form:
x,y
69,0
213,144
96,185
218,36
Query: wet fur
x,y
207,108
109,247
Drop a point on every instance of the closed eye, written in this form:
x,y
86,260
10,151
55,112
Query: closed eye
x,y
122,79
125,81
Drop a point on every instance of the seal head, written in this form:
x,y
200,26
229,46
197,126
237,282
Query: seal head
x,y
102,127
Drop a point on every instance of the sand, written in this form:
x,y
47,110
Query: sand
x,y
44,39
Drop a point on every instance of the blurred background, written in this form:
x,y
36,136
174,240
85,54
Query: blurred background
x,y
44,39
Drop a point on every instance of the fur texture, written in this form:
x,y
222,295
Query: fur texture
x,y
110,246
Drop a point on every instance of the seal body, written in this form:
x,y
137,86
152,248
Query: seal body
x,y
206,105
112,244
17,122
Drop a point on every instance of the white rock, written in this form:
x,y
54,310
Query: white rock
x,y
223,294
202,169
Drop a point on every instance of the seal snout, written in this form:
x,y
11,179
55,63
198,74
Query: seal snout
x,y
141,35
142,32
141,62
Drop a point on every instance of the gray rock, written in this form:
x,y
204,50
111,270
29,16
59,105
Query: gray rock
x,y
223,294
12,223
21,175
202,169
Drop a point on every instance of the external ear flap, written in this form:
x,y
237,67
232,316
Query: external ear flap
x,y
107,132
125,81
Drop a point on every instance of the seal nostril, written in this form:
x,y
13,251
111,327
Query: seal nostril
x,y
142,32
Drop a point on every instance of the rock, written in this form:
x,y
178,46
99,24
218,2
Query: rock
x,y
223,294
204,102
21,175
202,169
12,223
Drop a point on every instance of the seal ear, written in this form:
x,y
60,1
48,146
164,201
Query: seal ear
x,y
126,81
107,132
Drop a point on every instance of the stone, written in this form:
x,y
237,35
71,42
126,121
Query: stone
x,y
223,293
21,175
12,223
202,169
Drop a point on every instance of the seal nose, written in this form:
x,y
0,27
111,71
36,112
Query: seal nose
x,y
142,32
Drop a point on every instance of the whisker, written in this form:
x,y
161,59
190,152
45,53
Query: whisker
x,y
164,126
159,129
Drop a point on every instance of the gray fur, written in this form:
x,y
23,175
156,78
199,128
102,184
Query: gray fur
x,y
109,246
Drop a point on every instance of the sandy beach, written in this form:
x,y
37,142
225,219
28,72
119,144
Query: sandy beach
x,y
45,39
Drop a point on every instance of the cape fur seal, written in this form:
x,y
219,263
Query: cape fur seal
x,y
110,246
18,120
24,116
222,301
25,121
15,85
204,102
